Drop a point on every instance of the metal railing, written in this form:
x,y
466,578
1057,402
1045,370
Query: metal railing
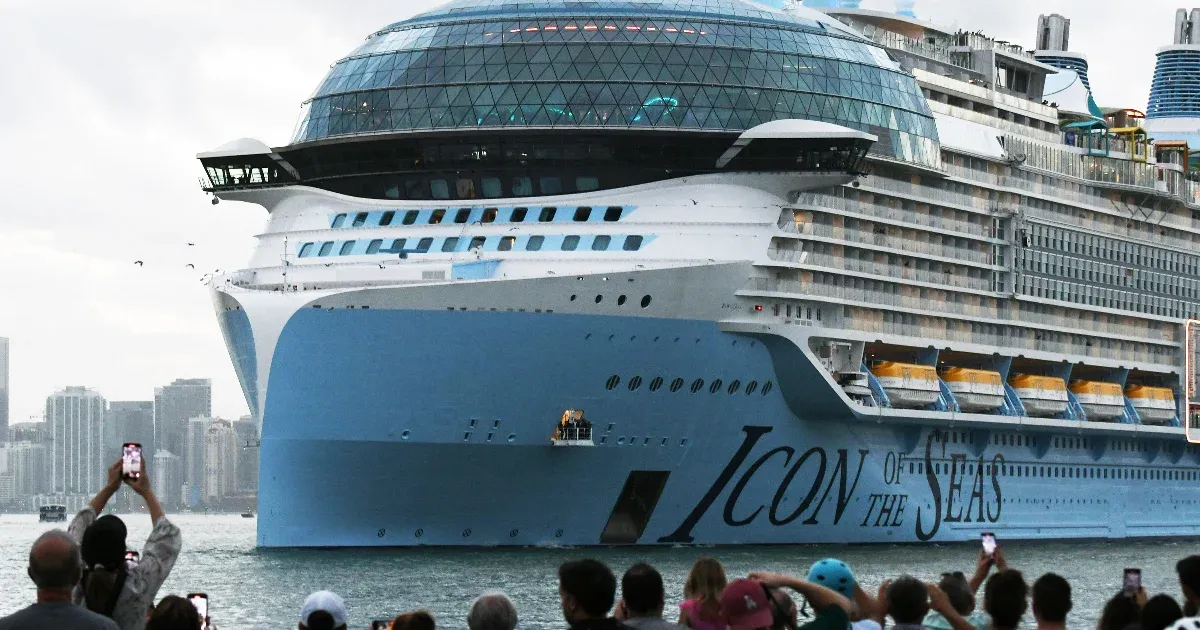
x,y
954,280
893,242
836,202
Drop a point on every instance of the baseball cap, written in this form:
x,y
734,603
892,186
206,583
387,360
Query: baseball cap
x,y
833,574
744,605
328,601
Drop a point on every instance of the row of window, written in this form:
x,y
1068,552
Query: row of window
x,y
1104,248
735,386
537,242
437,216
1053,289
1109,274
1060,472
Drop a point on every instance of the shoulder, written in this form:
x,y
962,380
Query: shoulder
x,y
92,621
831,617
1187,623
865,624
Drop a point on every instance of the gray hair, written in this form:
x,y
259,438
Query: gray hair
x,y
54,566
492,611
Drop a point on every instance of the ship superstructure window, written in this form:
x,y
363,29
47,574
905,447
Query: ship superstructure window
x,y
326,247
387,217
339,220
462,215
632,243
489,215
410,217
424,244
305,250
586,184
600,243
398,245
374,245
360,219
437,216
570,243
450,244
491,187
506,243
550,185
583,213
477,241
522,187
347,248
535,243
613,213
518,215
439,189
547,214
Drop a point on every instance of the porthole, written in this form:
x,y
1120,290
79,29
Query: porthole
x,y
697,384
656,383
766,388
621,300
645,301
613,381
735,386
715,387
599,298
635,383
751,387
405,435
573,298
676,384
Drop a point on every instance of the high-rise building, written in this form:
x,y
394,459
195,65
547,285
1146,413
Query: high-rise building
x,y
174,405
247,455
220,462
75,419
166,477
1173,112
194,459
3,389
28,463
131,421
27,432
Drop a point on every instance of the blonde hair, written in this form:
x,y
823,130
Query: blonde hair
x,y
705,583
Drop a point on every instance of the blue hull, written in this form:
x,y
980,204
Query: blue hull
x,y
396,427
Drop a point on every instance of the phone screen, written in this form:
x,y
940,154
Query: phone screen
x,y
200,601
380,624
131,460
989,543
1133,581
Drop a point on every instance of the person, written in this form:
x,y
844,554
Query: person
x,y
108,586
740,605
416,620
701,608
492,611
587,589
173,613
1189,582
1160,612
1005,599
643,599
837,575
324,610
961,596
1119,613
54,569
783,610
907,601
1051,602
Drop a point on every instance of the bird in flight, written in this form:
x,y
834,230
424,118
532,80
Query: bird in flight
x,y
191,266
138,263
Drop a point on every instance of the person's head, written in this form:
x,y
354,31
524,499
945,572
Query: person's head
x,y
705,581
907,600
54,562
744,606
492,611
173,613
642,591
833,574
1005,598
323,610
104,543
1160,612
783,610
1189,578
1120,611
587,589
416,620
1051,598
958,591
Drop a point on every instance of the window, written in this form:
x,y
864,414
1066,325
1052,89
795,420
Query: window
x,y
547,214
613,213
410,217
347,248
387,217
462,215
583,213
415,189
489,215
439,189
570,243
522,187
478,241
360,219
305,250
535,243
437,216
506,243
339,220
600,243
450,244
373,246
632,243
550,185
424,244
398,245
518,215
586,184
326,247
491,187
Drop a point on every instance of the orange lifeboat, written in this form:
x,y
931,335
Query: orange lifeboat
x,y
908,385
1155,405
1042,396
975,390
1100,400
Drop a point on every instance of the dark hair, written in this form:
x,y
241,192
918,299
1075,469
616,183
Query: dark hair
x,y
1160,612
173,613
1189,574
416,620
104,543
1052,598
958,591
642,589
589,583
1120,611
57,569
907,600
782,609
1004,598
320,620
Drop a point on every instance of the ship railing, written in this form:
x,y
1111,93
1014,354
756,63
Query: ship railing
x,y
1013,406
926,193
1075,410
573,434
896,41
946,400
878,394
835,202
1130,415
993,121
890,241
1121,227
837,263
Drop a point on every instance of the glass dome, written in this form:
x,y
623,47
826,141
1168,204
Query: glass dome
x,y
718,65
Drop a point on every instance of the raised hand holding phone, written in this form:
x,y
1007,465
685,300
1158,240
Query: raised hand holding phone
x,y
200,601
1132,582
131,461
989,544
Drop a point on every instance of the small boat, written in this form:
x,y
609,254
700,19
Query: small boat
x,y
908,385
1155,405
1101,400
52,514
247,514
1042,396
975,390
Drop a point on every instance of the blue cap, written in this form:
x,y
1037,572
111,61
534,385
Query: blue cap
x,y
834,574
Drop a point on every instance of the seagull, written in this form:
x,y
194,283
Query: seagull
x,y
190,265
138,263
191,244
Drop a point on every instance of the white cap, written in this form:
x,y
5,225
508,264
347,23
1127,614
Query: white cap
x,y
328,601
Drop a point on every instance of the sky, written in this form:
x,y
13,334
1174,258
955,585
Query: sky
x,y
106,104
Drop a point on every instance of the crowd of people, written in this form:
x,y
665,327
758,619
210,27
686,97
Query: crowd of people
x,y
86,580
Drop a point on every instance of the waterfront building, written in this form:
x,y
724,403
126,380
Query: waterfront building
x,y
28,463
247,455
79,461
167,478
4,380
174,405
220,462
131,421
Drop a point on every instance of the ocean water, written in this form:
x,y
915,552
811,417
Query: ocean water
x,y
259,588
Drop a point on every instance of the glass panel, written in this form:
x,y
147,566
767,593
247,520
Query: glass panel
x,y
387,217
586,184
583,213
547,214
550,185
477,241
518,215
632,243
439,189
347,248
535,243
462,215
437,216
424,244
360,219
506,243
398,245
489,215
305,250
373,246
522,187
410,217
491,187
465,188
339,220
326,247
613,213
450,244
570,243
600,243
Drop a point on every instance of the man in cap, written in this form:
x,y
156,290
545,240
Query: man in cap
x,y
324,610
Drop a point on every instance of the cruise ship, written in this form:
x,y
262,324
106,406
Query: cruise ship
x,y
662,272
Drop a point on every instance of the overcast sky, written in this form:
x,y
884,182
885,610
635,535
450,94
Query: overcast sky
x,y
106,104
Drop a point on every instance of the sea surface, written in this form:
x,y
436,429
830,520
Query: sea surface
x,y
262,588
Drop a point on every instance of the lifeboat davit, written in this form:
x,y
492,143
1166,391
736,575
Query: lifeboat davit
x,y
1042,396
1099,399
908,385
1155,405
975,390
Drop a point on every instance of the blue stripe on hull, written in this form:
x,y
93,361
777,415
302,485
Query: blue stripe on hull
x,y
386,427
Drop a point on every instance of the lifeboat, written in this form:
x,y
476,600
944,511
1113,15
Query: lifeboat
x,y
1099,399
908,385
975,390
1155,405
1042,396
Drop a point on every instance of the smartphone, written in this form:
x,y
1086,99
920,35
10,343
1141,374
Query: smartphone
x,y
989,543
131,461
200,601
381,624
1133,581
